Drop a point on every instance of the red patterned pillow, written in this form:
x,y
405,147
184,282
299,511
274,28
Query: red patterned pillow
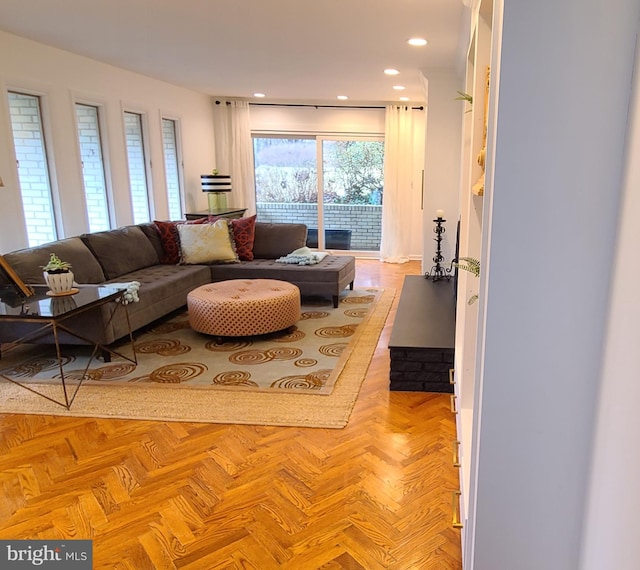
x,y
170,239
244,231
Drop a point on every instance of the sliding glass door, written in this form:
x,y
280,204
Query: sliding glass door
x,y
341,203
352,184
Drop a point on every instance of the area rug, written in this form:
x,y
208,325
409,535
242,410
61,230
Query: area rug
x,y
175,391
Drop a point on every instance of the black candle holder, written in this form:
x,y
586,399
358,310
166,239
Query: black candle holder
x,y
437,272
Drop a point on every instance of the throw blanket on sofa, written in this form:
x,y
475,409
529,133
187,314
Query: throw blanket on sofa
x,y
303,256
131,293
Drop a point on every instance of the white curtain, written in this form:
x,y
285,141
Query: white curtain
x,y
398,169
234,152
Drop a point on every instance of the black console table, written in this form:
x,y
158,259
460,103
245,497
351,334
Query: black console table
x,y
423,336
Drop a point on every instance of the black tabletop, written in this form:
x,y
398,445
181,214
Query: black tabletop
x,y
46,306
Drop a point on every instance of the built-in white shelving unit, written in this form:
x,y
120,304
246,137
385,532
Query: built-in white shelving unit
x,y
471,200
543,384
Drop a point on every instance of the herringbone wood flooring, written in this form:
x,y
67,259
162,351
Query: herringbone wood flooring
x,y
375,495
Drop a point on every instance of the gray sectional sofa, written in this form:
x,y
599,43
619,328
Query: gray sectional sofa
x,y
133,253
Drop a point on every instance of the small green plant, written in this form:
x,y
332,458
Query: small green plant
x,y
56,265
462,96
472,265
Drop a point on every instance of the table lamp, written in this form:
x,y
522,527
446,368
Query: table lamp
x,y
216,186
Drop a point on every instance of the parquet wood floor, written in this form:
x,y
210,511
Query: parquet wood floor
x,y
374,495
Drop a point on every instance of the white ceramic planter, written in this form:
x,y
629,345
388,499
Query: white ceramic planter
x,y
59,282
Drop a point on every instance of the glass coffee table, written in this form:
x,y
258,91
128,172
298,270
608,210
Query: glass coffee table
x,y
47,319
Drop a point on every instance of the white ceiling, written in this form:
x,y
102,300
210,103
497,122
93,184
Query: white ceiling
x,y
291,50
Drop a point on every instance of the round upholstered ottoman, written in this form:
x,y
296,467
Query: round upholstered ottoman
x,y
244,307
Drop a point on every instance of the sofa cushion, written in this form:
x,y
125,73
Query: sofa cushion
x,y
27,263
170,240
151,231
329,277
206,243
122,250
244,232
275,240
163,288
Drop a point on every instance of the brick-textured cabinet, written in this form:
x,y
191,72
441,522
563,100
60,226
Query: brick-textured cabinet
x,y
423,336
421,369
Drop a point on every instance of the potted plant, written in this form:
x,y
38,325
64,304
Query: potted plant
x,y
58,275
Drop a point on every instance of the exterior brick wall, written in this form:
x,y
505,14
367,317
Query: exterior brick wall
x,y
33,171
364,221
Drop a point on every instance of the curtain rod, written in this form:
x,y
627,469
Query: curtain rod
x,y
421,108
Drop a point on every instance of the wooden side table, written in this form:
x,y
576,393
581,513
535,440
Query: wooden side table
x,y
227,213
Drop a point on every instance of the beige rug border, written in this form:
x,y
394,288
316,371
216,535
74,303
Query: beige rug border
x,y
221,406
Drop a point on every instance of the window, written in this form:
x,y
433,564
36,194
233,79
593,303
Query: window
x,y
341,203
137,167
95,187
33,167
171,168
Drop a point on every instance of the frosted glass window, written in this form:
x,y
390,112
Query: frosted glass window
x,y
33,168
137,167
95,187
172,168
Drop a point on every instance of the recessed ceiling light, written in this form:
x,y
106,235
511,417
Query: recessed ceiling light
x,y
342,97
399,87
259,95
404,98
391,71
417,42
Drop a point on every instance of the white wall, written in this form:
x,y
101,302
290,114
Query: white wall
x,y
301,120
552,222
348,121
442,161
611,533
61,78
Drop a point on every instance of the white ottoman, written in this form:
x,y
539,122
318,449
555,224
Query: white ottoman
x,y
244,307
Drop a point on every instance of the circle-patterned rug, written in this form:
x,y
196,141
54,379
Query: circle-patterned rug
x,y
303,359
113,396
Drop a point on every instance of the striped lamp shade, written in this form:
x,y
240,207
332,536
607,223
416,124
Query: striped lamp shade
x,y
215,182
